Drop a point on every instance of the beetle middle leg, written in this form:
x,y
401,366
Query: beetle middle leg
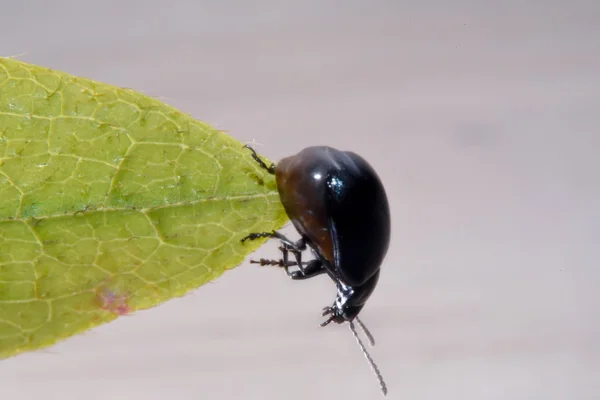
x,y
313,268
296,248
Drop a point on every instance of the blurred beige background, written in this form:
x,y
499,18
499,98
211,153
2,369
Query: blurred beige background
x,y
483,119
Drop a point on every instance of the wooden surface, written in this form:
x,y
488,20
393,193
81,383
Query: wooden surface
x,y
483,121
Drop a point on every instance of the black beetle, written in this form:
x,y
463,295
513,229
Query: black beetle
x,y
338,205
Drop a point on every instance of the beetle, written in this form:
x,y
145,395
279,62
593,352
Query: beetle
x,y
337,203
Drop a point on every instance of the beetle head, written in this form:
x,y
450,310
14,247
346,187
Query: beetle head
x,y
348,303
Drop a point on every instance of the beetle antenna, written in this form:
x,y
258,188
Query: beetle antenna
x,y
366,331
369,359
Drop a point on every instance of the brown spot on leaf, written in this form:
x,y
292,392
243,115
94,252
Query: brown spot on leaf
x,y
112,299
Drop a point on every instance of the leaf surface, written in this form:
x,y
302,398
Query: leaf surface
x,y
111,202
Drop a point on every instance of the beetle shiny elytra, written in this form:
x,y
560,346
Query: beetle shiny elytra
x,y
337,203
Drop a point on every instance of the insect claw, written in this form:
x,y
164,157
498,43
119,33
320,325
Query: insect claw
x,y
261,262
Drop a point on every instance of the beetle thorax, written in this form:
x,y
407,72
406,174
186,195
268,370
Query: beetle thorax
x,y
344,292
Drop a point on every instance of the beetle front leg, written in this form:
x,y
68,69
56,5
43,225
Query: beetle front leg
x,y
335,315
270,169
300,245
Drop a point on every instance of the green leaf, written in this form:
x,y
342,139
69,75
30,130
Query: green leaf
x,y
112,202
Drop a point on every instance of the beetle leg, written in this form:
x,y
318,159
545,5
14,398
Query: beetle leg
x,y
327,321
266,262
270,169
285,249
274,234
294,248
257,235
298,255
300,245
287,242
298,248
284,252
282,262
288,246
312,269
273,263
327,311
334,315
